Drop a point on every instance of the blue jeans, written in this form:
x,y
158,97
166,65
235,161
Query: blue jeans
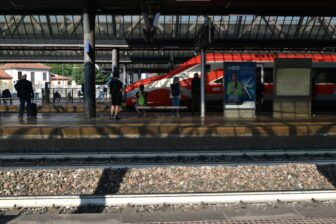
x,y
22,106
176,103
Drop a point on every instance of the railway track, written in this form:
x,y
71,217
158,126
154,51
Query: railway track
x,y
157,199
196,158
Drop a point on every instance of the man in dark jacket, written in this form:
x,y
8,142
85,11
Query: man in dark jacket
x,y
25,92
116,96
196,92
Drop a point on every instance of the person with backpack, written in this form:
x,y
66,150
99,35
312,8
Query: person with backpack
x,y
141,100
175,94
116,97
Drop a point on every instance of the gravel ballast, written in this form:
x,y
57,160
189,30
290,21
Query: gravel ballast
x,y
175,179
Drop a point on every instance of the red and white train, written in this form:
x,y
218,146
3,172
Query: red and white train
x,y
158,87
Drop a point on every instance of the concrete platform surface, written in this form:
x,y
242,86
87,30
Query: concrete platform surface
x,y
73,125
319,215
70,132
76,107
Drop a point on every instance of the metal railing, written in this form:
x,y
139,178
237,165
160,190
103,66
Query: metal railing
x,y
59,96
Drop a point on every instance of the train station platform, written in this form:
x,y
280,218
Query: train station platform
x,y
163,131
73,125
63,107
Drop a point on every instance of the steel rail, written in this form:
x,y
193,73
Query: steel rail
x,y
149,199
98,155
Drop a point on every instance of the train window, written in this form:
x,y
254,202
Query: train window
x,y
219,80
214,66
268,75
324,75
320,77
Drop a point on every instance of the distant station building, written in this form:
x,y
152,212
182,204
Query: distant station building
x,y
37,73
5,81
60,81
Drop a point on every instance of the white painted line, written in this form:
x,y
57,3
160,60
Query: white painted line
x,y
117,200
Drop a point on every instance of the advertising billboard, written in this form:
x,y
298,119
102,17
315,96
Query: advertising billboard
x,y
239,85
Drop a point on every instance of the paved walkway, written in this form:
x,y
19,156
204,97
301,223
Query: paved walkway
x,y
73,125
161,131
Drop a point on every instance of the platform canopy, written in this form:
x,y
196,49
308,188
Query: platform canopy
x,y
52,31
174,7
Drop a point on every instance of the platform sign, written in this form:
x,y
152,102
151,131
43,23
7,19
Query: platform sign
x,y
239,85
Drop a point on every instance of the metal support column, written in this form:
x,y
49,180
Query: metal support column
x,y
115,63
203,78
89,61
171,62
124,80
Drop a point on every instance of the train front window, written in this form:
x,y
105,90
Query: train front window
x,y
324,75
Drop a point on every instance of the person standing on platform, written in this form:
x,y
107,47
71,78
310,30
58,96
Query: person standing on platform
x,y
101,93
116,97
314,96
175,94
141,100
259,95
195,92
25,92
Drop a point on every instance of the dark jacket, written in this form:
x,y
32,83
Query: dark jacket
x,y
259,90
196,86
24,89
116,87
175,89
6,94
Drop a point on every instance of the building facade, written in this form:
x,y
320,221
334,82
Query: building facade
x,y
37,73
5,81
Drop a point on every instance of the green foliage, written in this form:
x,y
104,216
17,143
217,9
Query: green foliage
x,y
65,69
76,72
101,78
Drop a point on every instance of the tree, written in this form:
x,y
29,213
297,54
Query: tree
x,y
101,78
65,69
78,74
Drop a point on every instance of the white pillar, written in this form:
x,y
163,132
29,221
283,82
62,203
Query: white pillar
x,y
124,75
203,79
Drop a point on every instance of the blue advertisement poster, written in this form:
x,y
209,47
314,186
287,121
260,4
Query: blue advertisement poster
x,y
239,85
